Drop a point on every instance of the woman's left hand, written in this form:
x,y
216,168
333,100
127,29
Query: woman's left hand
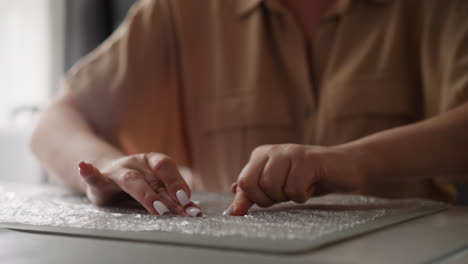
x,y
280,173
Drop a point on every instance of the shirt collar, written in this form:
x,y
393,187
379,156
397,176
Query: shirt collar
x,y
340,7
244,7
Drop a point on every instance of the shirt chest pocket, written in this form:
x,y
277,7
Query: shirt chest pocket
x,y
363,106
246,112
239,124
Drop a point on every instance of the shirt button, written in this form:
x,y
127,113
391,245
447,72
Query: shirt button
x,y
307,112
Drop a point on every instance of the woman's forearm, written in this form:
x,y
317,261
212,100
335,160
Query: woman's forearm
x,y
63,137
435,147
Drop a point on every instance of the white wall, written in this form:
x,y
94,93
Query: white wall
x,y
31,52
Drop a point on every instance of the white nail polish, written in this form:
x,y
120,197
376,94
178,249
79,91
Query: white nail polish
x,y
193,211
160,207
228,211
182,197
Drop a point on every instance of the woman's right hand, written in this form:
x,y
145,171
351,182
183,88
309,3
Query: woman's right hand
x,y
152,179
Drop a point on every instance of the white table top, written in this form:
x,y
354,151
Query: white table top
x,y
438,238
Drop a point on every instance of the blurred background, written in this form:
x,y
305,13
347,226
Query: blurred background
x,y
39,41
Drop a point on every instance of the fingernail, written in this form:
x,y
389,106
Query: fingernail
x,y
182,197
83,165
193,211
228,211
160,207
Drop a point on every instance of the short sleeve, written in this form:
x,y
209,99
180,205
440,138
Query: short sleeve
x,y
445,54
128,86
456,70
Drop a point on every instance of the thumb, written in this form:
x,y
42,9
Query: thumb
x,y
91,175
240,205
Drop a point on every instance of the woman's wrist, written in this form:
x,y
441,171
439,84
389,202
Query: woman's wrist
x,y
364,158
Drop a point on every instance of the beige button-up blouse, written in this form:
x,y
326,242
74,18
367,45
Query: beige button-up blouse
x,y
207,81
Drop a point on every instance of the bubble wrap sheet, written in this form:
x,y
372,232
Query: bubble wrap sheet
x,y
283,228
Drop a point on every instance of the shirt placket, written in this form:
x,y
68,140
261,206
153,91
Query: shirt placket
x,y
292,49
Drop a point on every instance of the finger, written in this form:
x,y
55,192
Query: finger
x,y
160,189
92,176
274,177
166,170
100,190
297,188
193,209
133,182
188,209
172,205
234,187
240,205
249,181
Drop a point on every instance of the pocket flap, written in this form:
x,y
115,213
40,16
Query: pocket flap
x,y
371,97
246,111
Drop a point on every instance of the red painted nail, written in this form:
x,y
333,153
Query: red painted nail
x,y
85,167
234,188
82,164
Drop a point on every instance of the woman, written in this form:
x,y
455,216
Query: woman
x,y
288,99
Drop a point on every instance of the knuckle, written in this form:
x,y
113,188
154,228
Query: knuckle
x,y
255,152
282,157
153,154
245,185
164,163
291,149
130,177
128,161
140,156
242,184
157,186
133,158
267,183
260,150
273,148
